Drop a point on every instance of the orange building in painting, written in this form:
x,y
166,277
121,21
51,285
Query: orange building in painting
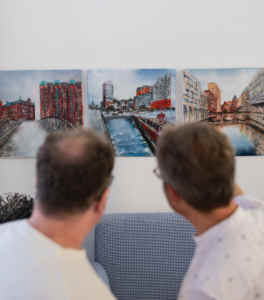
x,y
244,98
211,100
215,90
235,104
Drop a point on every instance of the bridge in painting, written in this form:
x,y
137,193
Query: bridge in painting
x,y
53,124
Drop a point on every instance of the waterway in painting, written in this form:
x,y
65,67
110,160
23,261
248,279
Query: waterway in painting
x,y
246,140
126,138
124,134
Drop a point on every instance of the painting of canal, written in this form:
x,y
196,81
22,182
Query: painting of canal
x,y
34,103
232,100
131,107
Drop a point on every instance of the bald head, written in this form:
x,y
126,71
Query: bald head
x,y
72,148
73,169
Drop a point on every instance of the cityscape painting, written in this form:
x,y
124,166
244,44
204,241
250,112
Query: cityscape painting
x,y
33,103
131,107
231,100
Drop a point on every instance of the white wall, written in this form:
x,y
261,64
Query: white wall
x,y
125,33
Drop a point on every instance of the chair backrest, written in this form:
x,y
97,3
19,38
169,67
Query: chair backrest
x,y
144,255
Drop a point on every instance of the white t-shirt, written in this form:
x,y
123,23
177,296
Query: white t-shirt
x,y
34,267
229,258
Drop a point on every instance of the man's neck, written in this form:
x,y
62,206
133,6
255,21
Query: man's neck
x,y
204,221
68,232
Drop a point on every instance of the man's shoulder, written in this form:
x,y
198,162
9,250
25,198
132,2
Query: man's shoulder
x,y
14,238
247,201
28,257
10,230
11,224
231,265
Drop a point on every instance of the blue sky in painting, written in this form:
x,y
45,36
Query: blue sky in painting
x,y
125,81
230,81
25,84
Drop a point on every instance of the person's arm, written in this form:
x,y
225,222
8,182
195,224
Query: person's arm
x,y
197,294
245,200
237,190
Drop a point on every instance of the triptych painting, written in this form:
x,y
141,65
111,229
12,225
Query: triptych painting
x,y
130,106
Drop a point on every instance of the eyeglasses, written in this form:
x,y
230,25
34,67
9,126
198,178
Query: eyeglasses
x,y
156,171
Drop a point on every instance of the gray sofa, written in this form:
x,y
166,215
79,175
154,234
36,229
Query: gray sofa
x,y
144,255
139,256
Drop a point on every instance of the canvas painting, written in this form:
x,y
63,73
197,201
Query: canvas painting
x,y
131,107
34,103
231,100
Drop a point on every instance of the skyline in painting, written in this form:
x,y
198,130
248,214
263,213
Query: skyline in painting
x,y
231,100
33,103
131,107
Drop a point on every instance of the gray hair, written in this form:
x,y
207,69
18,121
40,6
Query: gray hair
x,y
198,162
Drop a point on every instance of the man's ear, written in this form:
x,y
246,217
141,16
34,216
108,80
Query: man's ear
x,y
100,205
172,196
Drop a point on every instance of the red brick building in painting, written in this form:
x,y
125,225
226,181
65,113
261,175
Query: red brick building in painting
x,y
212,101
145,89
226,107
18,110
157,96
215,90
161,104
62,100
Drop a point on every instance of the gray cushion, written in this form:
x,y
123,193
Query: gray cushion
x,y
100,271
144,255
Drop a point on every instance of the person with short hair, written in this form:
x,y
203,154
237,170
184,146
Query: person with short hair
x,y
42,257
196,163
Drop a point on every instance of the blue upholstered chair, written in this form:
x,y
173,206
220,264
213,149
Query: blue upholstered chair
x,y
144,255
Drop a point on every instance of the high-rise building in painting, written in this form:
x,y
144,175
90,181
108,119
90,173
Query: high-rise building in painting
x,y
62,100
162,93
162,88
215,90
235,104
244,98
108,93
144,95
194,110
211,100
254,92
157,96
